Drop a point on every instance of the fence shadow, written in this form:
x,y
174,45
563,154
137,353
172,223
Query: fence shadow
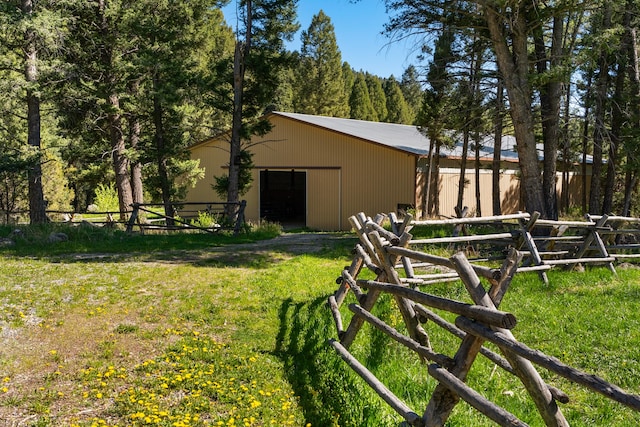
x,y
324,384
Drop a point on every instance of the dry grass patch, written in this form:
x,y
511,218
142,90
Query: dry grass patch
x,y
42,363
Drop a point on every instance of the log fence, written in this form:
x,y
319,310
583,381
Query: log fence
x,y
147,216
184,212
394,258
544,244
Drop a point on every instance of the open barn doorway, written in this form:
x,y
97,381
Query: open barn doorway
x,y
283,197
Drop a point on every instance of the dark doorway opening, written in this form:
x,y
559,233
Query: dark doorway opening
x,y
283,197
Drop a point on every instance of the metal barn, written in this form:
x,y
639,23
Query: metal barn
x,y
317,171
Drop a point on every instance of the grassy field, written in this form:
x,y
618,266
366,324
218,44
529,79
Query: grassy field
x,y
190,330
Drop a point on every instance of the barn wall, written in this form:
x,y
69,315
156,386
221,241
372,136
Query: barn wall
x,y
449,183
345,175
510,198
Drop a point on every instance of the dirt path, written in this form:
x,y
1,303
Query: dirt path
x,y
294,243
282,247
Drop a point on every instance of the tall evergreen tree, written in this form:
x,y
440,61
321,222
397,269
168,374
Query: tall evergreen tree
x,y
319,76
377,96
434,116
259,52
397,107
412,90
91,98
26,34
168,37
359,102
349,78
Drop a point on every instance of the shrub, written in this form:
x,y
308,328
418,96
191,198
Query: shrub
x,y
205,220
107,198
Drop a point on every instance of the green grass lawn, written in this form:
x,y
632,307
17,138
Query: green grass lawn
x,y
185,330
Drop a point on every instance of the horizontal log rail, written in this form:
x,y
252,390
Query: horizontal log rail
x,y
476,312
211,207
391,399
593,382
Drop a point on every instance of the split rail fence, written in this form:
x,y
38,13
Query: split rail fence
x,y
395,257
544,243
187,210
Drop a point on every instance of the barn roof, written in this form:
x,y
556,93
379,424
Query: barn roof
x,y
402,137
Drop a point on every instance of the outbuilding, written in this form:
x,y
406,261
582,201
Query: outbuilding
x,y
317,171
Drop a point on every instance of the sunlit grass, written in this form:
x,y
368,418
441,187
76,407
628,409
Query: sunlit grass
x,y
82,238
198,340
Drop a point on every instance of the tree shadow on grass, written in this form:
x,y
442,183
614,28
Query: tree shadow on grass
x,y
259,254
330,393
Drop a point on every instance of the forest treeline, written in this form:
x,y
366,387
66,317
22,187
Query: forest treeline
x,y
107,91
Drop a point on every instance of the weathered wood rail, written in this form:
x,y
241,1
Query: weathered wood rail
x,y
545,243
186,210
388,254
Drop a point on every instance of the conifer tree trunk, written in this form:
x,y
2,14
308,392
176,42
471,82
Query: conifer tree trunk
x,y
161,155
618,115
463,165
135,128
114,123
435,194
476,138
120,160
631,177
497,148
550,111
241,54
136,167
600,133
37,207
585,139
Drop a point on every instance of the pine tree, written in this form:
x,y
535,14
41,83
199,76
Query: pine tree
x,y
377,96
397,107
91,99
412,90
349,78
319,75
259,52
26,29
359,102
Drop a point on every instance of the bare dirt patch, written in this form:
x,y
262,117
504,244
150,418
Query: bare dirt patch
x,y
252,254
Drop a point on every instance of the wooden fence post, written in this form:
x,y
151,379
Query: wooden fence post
x,y
240,217
134,217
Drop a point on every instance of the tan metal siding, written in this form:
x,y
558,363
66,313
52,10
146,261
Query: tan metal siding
x,y
212,158
450,180
374,178
323,199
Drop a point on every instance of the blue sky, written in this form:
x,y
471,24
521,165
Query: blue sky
x,y
358,28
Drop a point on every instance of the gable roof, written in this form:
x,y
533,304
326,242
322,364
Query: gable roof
x,y
406,138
